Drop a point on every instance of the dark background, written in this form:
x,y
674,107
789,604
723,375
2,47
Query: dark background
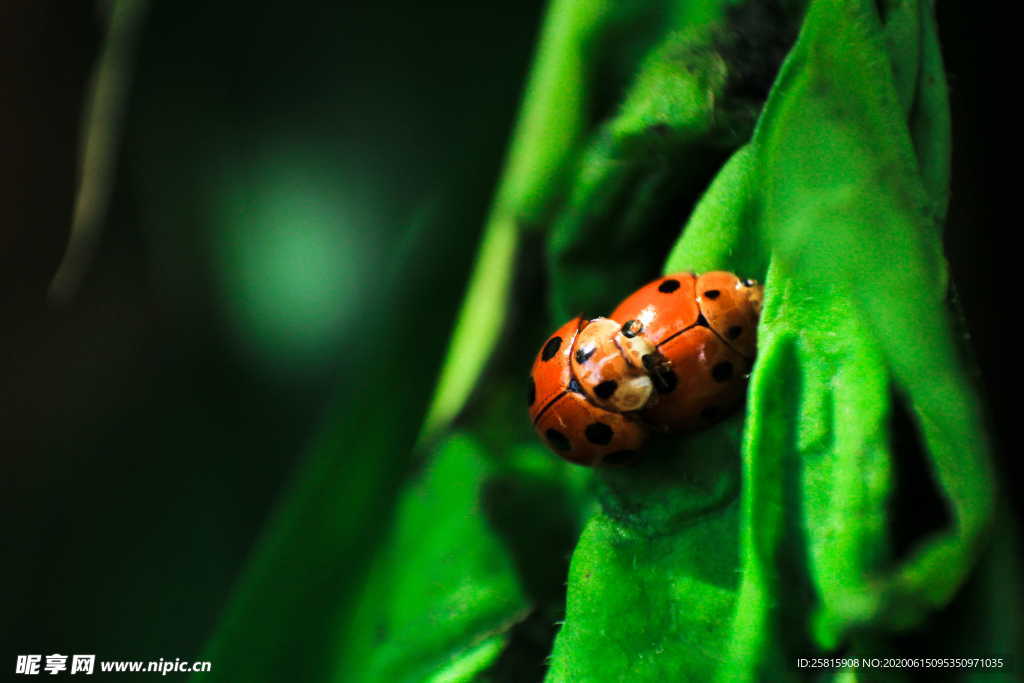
x,y
147,427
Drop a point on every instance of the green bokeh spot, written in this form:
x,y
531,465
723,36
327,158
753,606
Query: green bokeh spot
x,y
291,256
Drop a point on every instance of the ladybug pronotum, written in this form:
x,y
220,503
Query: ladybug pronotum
x,y
673,356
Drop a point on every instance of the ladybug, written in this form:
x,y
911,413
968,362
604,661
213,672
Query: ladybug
x,y
703,330
673,356
566,419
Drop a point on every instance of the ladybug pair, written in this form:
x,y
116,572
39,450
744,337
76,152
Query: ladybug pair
x,y
674,356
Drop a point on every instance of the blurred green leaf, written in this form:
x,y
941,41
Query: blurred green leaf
x,y
482,527
550,124
294,596
444,590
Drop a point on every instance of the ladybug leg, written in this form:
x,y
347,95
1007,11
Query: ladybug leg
x,y
660,370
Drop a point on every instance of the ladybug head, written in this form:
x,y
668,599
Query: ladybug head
x,y
753,292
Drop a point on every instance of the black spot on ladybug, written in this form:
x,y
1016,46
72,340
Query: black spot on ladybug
x,y
606,388
558,439
619,457
575,386
734,332
532,395
749,283
722,371
668,286
599,433
551,348
583,355
712,293
631,328
701,321
710,412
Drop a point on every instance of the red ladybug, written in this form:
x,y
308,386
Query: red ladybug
x,y
705,331
675,355
572,425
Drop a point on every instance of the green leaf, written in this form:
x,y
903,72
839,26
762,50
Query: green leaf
x,y
930,125
655,570
842,195
835,203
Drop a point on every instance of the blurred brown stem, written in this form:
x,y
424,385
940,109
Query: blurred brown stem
x,y
100,128
47,49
